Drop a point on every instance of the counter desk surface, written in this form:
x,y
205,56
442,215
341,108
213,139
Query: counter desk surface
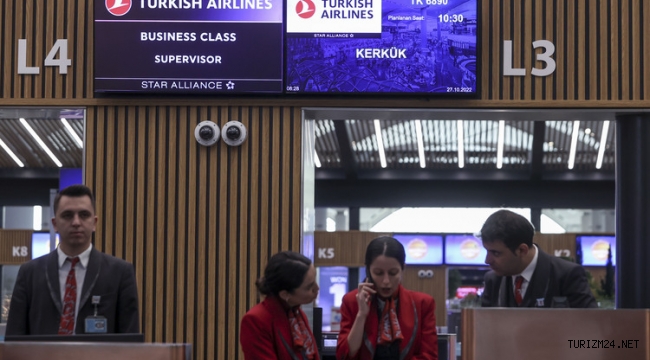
x,y
558,334
28,350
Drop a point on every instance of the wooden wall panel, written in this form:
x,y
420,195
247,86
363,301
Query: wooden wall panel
x,y
197,222
436,287
41,23
15,238
549,243
602,50
349,247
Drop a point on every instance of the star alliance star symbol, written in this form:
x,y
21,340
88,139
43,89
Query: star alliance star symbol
x,y
230,85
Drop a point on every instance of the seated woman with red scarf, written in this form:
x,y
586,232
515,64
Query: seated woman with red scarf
x,y
276,328
382,320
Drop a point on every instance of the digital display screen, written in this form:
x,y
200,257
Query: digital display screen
x,y
381,46
421,249
330,342
464,250
463,291
333,282
41,244
595,249
189,46
70,176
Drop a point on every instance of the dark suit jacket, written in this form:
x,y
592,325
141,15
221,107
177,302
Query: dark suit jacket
x,y
265,333
553,276
417,321
36,306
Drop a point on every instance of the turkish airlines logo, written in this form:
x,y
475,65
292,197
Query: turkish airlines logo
x,y
305,8
118,7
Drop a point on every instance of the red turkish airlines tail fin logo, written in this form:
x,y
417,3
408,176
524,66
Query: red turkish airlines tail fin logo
x,y
305,8
118,7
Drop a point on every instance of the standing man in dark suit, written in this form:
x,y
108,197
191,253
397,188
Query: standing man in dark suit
x,y
524,276
74,289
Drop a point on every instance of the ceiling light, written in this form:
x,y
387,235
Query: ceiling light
x,y
316,159
11,153
602,145
40,142
380,144
587,131
73,133
500,141
574,144
418,133
461,149
37,218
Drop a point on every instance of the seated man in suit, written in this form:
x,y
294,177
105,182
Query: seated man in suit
x,y
524,276
56,293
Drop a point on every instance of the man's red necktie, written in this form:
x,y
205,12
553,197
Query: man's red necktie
x,y
518,281
66,326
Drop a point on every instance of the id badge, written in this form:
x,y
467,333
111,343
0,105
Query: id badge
x,y
96,325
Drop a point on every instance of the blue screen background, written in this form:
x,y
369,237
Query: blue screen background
x,y
440,55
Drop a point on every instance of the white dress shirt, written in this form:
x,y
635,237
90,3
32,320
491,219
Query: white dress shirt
x,y
527,274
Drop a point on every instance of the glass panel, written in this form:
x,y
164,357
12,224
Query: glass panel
x,y
9,274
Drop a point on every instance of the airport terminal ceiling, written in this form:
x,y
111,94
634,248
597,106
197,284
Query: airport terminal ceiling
x,y
429,157
464,158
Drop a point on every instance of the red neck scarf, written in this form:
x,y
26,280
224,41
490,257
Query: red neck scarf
x,y
389,330
300,333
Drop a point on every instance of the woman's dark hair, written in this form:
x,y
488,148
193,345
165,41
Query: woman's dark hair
x,y
387,246
285,271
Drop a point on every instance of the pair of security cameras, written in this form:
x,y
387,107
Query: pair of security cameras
x,y
207,133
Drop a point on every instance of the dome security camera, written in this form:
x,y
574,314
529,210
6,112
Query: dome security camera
x,y
234,133
206,133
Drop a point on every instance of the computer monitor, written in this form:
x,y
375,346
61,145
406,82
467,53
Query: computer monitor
x,y
595,249
464,249
421,249
123,337
41,243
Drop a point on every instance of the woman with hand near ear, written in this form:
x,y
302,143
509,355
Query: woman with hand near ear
x,y
382,320
277,328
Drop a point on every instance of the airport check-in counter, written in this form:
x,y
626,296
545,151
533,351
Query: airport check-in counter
x,y
28,350
558,334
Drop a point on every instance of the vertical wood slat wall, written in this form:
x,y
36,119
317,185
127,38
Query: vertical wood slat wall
x,y
11,238
197,222
41,23
602,50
